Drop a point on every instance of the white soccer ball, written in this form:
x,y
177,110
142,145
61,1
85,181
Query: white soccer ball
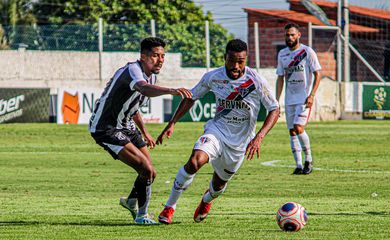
x,y
291,217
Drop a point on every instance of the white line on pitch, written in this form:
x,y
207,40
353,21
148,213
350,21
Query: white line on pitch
x,y
273,164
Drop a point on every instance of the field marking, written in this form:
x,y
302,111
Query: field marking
x,y
273,164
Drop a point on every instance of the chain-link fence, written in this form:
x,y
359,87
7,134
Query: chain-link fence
x,y
186,38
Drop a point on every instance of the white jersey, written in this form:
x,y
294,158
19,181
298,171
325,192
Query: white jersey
x,y
237,104
297,67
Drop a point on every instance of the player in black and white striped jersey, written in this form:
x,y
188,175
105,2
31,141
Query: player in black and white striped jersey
x,y
116,117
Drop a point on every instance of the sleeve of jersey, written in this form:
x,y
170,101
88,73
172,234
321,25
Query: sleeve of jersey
x,y
314,63
279,69
135,76
266,96
201,88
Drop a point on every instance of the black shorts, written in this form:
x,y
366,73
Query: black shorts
x,y
113,140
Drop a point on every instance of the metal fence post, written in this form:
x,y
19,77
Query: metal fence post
x,y
207,45
257,47
100,48
153,27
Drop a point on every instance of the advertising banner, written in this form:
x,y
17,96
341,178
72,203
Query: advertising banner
x,y
24,105
204,109
76,106
376,102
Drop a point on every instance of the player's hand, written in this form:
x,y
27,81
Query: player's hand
x,y
309,101
150,142
183,92
166,133
252,148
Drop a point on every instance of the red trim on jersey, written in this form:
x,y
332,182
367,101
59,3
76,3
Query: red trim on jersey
x,y
295,58
233,95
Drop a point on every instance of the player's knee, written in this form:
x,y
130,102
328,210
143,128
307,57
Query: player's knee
x,y
148,172
299,129
194,164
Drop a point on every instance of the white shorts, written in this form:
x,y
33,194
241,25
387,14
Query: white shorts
x,y
225,161
297,114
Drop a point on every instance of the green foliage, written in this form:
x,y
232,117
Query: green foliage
x,y
179,22
57,183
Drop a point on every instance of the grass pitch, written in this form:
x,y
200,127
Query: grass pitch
x,y
56,183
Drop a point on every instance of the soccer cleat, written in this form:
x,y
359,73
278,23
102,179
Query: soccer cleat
x,y
166,215
123,201
297,171
145,220
308,168
202,211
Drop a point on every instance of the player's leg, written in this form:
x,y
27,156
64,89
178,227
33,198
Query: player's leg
x,y
183,180
139,159
216,188
294,141
224,167
300,121
206,148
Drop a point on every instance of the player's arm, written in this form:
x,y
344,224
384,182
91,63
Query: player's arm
x,y
269,123
182,109
151,90
150,142
279,86
316,83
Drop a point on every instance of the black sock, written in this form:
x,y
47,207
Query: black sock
x,y
133,193
144,190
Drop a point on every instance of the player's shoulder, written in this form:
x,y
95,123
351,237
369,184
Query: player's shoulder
x,y
257,77
283,52
134,66
307,48
214,73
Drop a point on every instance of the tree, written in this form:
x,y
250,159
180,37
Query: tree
x,y
72,25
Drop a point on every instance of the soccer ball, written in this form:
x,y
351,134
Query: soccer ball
x,y
291,217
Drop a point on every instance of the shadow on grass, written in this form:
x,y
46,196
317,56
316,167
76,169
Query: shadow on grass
x,y
382,213
91,223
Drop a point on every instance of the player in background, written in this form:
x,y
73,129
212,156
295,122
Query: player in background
x,y
230,135
297,63
115,119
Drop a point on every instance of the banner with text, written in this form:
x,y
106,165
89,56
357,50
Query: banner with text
x,y
76,106
204,109
24,105
376,102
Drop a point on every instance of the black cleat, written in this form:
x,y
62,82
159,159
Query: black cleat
x,y
297,171
308,168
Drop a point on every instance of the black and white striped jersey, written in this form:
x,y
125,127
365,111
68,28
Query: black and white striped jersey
x,y
119,100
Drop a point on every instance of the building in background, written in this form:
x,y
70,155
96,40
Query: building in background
x,y
369,34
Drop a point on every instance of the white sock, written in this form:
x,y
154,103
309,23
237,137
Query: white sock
x,y
211,194
296,150
182,181
305,143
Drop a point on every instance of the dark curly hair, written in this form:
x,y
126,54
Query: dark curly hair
x,y
236,45
291,25
148,43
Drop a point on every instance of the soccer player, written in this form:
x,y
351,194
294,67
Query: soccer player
x,y
115,119
230,135
297,64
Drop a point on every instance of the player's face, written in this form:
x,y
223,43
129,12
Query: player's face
x,y
292,37
235,63
153,60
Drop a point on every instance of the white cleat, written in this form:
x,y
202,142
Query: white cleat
x,y
133,208
145,220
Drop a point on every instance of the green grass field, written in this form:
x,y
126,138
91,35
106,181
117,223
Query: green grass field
x,y
56,183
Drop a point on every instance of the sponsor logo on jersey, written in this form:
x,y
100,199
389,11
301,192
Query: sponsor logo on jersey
x,y
235,98
295,62
220,81
231,104
298,68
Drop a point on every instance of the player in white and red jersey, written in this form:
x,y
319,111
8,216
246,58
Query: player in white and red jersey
x,y
297,63
230,135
